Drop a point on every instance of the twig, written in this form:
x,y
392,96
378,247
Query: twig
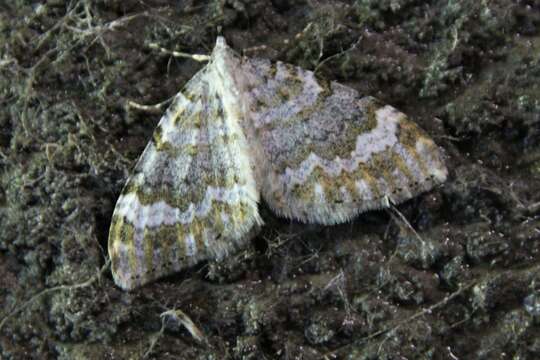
x,y
153,109
406,321
196,57
181,317
404,219
353,47
48,291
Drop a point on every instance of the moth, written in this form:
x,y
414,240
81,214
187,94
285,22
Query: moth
x,y
245,130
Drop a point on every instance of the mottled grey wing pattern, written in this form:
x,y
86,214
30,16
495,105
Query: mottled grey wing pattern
x,y
191,195
330,153
317,151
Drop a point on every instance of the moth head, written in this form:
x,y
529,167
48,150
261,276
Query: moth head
x,y
224,58
220,42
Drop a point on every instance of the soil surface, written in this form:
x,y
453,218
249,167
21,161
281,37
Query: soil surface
x,y
451,274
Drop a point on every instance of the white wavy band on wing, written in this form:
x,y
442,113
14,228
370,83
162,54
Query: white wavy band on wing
x,y
160,213
380,138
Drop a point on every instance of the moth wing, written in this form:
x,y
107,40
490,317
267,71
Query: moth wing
x,y
190,196
330,153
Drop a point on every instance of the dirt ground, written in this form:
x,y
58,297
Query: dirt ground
x,y
464,284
